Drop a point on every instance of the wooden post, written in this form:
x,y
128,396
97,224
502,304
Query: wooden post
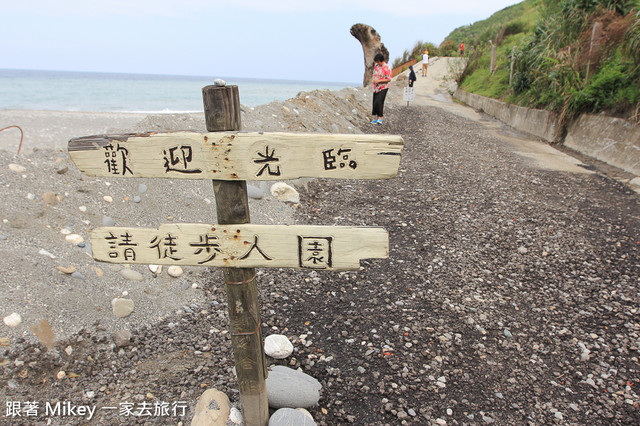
x,y
595,40
513,54
222,113
493,57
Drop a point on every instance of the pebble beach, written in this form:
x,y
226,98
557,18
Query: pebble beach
x,y
510,295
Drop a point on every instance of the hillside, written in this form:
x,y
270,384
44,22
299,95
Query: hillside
x,y
568,56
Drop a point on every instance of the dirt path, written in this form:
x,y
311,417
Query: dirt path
x,y
433,91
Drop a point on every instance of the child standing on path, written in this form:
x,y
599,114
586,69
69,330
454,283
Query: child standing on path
x,y
412,76
381,80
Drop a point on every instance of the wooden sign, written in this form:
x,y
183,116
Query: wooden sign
x,y
238,155
242,246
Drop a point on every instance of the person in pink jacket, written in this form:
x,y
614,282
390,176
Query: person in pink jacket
x,y
381,80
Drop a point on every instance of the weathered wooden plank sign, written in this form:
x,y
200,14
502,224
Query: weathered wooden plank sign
x,y
242,246
238,155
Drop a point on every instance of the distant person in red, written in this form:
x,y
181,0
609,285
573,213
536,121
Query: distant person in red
x,y
462,49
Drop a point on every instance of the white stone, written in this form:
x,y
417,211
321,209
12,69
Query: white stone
x,y
108,198
46,253
235,416
175,271
16,168
284,192
74,239
277,346
290,416
83,209
61,375
12,320
156,269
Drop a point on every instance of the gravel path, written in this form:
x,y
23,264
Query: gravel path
x,y
510,297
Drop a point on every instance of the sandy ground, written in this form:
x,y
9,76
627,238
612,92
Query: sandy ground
x,y
53,129
32,231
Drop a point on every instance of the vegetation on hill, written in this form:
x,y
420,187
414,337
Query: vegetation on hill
x,y
475,34
569,56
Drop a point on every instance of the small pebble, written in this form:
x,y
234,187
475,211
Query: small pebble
x,y
12,320
16,168
77,275
174,271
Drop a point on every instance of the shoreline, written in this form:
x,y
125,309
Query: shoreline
x,y
321,110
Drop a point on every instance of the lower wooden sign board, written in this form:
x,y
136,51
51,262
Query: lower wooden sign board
x,y
238,155
242,246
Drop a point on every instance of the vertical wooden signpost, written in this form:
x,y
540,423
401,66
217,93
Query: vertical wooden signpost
x,y
222,113
229,158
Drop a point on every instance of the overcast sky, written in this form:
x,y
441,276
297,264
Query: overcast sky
x,y
280,39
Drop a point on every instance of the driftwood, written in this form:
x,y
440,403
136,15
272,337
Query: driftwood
x,y
371,46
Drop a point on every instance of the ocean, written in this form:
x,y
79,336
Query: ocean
x,y
112,92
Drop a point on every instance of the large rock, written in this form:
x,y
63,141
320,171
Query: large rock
x,y
371,46
287,388
212,409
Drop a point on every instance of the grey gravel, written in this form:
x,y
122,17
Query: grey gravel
x,y
570,302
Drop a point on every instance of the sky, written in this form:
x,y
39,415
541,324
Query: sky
x,y
274,39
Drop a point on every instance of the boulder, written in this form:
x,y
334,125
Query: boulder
x,y
288,388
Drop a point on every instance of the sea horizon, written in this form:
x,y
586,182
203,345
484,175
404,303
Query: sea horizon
x,y
89,91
